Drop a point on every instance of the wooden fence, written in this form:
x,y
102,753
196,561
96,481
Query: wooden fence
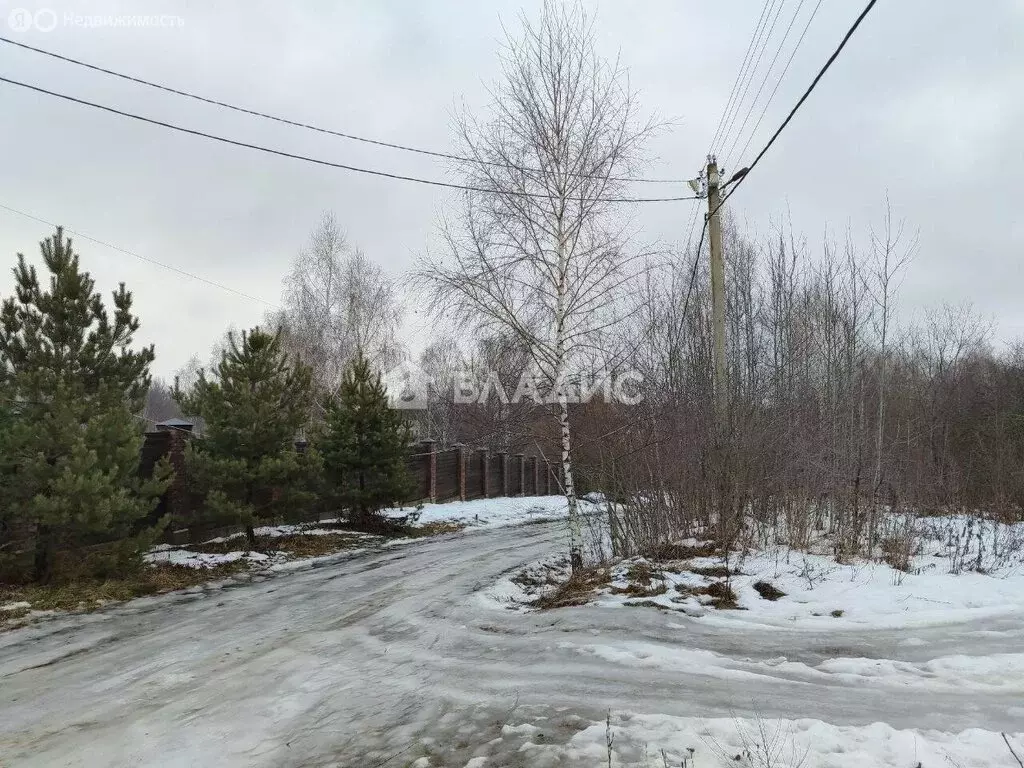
x,y
465,473
439,474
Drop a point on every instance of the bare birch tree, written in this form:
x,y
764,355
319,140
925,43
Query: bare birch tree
x,y
540,251
336,300
891,255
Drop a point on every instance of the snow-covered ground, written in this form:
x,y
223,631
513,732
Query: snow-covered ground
x,y
820,593
481,513
653,740
491,513
403,657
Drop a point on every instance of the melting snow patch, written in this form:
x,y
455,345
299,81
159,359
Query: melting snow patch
x,y
787,589
638,740
490,513
202,559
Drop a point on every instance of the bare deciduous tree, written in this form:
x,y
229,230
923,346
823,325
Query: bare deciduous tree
x,y
336,300
160,403
891,255
541,251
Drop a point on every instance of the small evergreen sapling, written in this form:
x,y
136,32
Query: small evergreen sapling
x,y
256,402
364,447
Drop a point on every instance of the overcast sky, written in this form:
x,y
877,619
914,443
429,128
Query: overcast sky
x,y
926,104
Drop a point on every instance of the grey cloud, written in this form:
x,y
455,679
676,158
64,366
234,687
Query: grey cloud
x,y
924,105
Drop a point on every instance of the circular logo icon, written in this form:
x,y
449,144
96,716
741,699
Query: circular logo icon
x,y
45,19
20,20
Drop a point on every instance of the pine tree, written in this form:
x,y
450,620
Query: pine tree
x,y
70,439
246,464
364,447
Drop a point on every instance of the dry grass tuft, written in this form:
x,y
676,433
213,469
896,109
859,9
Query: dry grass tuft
x,y
90,595
641,590
432,529
316,546
768,591
642,572
669,551
714,571
721,594
576,590
644,581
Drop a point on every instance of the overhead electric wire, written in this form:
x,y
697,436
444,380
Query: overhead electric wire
x,y
318,129
696,261
318,161
754,38
775,90
693,221
184,273
752,72
814,83
764,82
742,175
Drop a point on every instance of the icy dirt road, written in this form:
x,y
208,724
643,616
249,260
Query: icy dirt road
x,y
397,652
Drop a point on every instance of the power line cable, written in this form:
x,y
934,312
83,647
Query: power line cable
x,y
693,221
182,272
318,161
764,82
318,129
739,75
752,72
696,261
778,83
742,174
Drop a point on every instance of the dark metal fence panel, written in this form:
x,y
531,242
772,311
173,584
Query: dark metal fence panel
x,y
496,470
515,475
554,484
447,475
419,469
474,474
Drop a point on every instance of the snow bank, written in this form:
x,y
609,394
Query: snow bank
x,y
820,593
995,673
480,513
638,740
277,531
489,513
202,559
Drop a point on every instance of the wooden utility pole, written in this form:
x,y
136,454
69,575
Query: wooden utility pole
x,y
717,289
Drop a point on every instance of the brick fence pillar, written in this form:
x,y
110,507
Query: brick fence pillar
x,y
502,489
177,494
521,469
429,447
460,470
536,477
483,458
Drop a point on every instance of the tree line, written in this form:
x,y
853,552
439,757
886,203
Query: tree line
x,y
73,393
